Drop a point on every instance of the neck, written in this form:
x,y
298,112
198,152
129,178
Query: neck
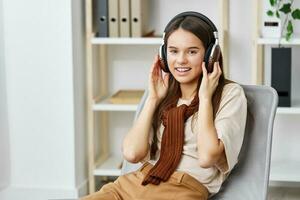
x,y
188,91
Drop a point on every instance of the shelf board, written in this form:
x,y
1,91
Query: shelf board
x,y
110,167
295,109
275,41
127,41
287,110
285,171
105,105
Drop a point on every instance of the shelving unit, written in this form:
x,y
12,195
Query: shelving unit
x,y
105,105
110,167
284,169
295,109
273,41
101,162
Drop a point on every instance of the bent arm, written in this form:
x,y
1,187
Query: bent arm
x,y
220,139
210,147
136,142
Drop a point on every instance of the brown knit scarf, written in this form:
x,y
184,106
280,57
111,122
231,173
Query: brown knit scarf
x,y
173,119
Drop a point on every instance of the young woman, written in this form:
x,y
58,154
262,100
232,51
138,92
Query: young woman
x,y
190,130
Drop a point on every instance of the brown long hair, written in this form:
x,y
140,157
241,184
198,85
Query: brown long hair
x,y
205,33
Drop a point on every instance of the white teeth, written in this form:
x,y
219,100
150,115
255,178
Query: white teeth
x,y
183,69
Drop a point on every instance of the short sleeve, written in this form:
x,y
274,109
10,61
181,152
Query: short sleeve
x,y
230,122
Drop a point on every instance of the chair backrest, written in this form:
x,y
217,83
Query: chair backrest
x,y
250,178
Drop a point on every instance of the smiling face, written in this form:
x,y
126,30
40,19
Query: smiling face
x,y
185,53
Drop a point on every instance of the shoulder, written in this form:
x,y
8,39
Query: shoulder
x,y
233,95
232,89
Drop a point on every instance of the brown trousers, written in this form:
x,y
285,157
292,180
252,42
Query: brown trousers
x,y
128,187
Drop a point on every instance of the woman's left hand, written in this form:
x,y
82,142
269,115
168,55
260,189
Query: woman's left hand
x,y
209,81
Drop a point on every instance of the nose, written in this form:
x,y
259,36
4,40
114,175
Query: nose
x,y
181,59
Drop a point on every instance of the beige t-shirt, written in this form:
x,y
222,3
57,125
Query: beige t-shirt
x,y
230,125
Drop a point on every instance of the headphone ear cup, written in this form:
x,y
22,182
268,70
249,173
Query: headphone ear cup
x,y
212,55
207,54
163,59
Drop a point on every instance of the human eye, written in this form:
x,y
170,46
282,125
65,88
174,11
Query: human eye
x,y
173,51
193,52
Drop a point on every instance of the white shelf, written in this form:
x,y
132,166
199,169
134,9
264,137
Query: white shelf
x,y
275,41
285,171
287,110
105,105
128,41
295,109
110,167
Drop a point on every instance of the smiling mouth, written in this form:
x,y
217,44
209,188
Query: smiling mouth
x,y
182,69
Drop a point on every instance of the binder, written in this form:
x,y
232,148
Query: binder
x,y
125,18
101,15
139,18
113,17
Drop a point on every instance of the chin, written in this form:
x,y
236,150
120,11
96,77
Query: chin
x,y
184,80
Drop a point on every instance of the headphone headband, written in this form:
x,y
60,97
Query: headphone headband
x,y
195,14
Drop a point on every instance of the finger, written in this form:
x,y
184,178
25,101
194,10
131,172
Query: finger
x,y
158,72
166,79
152,70
152,66
153,73
157,69
158,62
160,75
220,70
217,78
204,71
156,59
215,69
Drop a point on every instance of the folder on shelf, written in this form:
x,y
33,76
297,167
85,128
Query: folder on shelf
x,y
139,18
127,97
124,18
113,17
100,17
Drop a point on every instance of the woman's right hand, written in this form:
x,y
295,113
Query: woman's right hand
x,y
158,85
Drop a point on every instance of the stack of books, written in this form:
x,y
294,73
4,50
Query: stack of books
x,y
121,18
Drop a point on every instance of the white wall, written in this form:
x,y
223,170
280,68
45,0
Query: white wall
x,y
78,39
240,30
44,84
4,132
